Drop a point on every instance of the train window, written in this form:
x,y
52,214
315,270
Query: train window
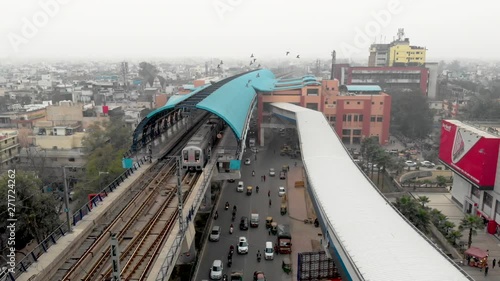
x,y
197,156
185,155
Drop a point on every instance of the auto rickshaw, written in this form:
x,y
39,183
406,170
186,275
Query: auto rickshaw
x,y
283,209
249,190
286,265
285,168
274,227
269,220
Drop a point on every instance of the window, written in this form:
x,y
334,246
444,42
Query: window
x,y
379,118
372,119
359,102
346,132
355,118
312,92
347,102
361,118
313,106
356,132
185,155
197,156
349,118
488,199
346,140
373,102
344,117
334,102
71,159
381,102
333,118
475,192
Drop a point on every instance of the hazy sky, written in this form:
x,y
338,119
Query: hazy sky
x,y
126,29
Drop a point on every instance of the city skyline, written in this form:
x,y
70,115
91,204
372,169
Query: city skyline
x,y
57,29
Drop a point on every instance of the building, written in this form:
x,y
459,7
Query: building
x,y
471,151
390,78
397,53
355,112
9,148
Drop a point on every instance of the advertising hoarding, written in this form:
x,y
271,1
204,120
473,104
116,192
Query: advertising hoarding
x,y
470,152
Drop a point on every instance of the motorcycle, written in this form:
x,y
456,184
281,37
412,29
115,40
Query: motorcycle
x,y
258,257
231,230
257,189
231,250
224,277
227,206
234,217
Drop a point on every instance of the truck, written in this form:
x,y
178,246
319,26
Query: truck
x,y
254,220
284,239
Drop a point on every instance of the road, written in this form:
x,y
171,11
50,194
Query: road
x,y
259,202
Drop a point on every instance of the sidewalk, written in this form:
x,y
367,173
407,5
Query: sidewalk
x,y
306,237
483,240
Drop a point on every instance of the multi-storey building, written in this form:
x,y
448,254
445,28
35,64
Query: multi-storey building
x,y
355,112
397,53
9,148
471,151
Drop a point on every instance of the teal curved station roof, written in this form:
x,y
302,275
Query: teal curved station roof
x,y
232,101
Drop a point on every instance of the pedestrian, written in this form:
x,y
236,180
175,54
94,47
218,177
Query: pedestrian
x,y
288,167
486,271
269,193
264,178
269,229
494,263
295,164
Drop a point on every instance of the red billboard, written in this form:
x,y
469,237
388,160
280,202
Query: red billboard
x,y
470,152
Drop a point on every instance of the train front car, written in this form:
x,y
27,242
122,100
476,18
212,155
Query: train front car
x,y
196,153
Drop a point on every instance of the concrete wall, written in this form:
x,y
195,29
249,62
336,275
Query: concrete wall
x,y
62,142
62,114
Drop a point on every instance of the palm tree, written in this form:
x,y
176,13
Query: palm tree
x,y
448,225
423,200
472,223
454,235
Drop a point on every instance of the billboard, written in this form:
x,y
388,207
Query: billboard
x,y
470,152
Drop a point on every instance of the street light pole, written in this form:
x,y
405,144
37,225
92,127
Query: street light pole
x,y
66,199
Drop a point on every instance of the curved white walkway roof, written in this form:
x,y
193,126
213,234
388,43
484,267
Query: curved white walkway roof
x,y
379,243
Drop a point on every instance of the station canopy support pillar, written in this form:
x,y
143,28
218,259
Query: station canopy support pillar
x,y
262,136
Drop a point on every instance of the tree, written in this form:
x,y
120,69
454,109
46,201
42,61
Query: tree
x,y
472,223
453,236
411,115
423,200
414,212
148,72
34,210
441,180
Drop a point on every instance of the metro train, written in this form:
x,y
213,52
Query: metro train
x,y
195,154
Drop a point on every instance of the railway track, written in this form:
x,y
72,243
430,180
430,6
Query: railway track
x,y
140,253
137,206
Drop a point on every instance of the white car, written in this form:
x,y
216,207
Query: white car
x,y
272,173
427,164
410,163
216,270
239,188
242,245
281,191
247,161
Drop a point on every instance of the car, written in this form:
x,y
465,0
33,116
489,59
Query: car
x,y
427,164
281,191
242,245
247,161
244,223
259,276
239,188
410,163
215,233
216,270
272,173
269,251
282,175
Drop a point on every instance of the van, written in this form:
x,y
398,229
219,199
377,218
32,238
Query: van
x,y
215,233
269,251
240,186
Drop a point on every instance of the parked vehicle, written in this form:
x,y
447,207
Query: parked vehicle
x,y
410,163
427,164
